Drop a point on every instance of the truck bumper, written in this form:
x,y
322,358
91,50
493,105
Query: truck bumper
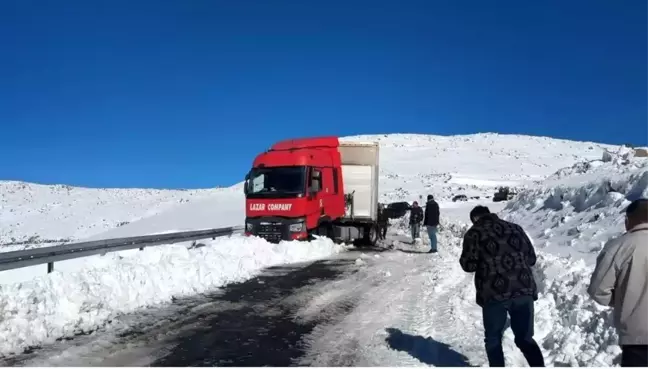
x,y
275,230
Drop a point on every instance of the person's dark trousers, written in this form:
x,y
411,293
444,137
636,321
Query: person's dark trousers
x,y
634,355
521,311
383,231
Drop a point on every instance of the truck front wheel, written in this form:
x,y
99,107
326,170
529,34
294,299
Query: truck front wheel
x,y
370,236
324,229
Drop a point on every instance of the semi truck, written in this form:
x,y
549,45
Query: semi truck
x,y
314,186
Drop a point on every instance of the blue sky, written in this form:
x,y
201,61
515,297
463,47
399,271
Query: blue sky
x,y
182,94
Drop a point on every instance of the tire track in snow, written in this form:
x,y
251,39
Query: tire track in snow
x,y
444,315
405,315
358,339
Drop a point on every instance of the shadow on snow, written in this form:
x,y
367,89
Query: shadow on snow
x,y
426,350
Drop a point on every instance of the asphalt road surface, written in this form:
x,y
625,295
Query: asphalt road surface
x,y
244,324
371,308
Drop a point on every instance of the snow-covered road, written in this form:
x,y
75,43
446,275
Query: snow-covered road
x,y
400,307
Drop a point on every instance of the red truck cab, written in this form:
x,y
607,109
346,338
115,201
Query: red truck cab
x,y
293,187
297,189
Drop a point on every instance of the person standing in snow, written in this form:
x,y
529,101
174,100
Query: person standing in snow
x,y
416,217
383,221
431,221
620,280
501,256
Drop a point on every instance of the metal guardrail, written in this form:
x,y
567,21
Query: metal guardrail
x,y
48,255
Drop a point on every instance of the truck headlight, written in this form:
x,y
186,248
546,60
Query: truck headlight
x,y
297,227
248,227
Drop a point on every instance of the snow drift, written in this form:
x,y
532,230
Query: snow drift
x,y
574,213
577,209
571,329
63,304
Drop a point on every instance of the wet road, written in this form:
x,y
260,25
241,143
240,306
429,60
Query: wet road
x,y
253,323
259,332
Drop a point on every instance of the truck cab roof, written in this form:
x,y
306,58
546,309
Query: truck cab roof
x,y
315,151
303,143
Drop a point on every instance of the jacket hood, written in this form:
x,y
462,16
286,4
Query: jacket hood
x,y
639,227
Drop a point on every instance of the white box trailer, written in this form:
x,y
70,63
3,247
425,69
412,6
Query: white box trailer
x,y
360,177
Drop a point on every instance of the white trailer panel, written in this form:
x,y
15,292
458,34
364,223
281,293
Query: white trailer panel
x,y
360,173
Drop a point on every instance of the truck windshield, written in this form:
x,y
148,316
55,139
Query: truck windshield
x,y
276,182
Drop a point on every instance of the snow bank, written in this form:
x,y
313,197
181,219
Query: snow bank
x,y
63,304
570,216
577,209
571,329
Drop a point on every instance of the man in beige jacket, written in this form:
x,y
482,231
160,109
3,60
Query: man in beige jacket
x,y
620,280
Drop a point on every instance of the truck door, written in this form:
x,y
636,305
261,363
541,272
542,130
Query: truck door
x,y
315,198
328,189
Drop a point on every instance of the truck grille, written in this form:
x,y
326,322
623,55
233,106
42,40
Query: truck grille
x,y
270,232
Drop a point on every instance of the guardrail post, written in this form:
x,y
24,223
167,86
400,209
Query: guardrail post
x,y
50,267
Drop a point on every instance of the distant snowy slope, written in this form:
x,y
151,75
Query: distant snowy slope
x,y
475,165
57,212
223,209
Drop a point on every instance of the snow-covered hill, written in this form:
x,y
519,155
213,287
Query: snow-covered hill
x,y
475,165
33,214
411,166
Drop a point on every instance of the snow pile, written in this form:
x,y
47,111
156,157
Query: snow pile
x,y
577,209
572,329
63,304
573,213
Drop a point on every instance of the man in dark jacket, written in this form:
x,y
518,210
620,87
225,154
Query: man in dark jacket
x,y
383,221
416,217
431,221
501,256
